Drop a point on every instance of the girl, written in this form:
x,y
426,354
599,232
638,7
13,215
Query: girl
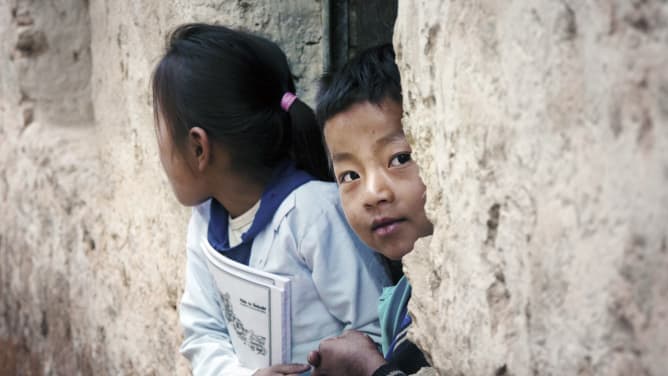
x,y
247,154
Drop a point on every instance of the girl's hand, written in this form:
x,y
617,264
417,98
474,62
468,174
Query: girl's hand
x,y
283,370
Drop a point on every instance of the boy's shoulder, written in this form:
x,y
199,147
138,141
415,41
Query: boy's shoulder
x,y
392,305
395,298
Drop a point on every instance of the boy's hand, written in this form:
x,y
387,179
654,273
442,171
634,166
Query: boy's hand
x,y
350,354
283,370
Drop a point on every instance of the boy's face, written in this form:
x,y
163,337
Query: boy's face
x,y
380,186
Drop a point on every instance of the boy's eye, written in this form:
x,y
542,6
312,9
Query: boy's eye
x,y
348,176
400,159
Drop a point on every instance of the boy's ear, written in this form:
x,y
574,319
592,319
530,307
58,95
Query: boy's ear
x,y
199,147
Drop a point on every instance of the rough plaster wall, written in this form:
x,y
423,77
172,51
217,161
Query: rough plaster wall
x,y
91,237
542,131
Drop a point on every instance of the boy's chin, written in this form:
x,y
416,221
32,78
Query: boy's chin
x,y
394,254
391,249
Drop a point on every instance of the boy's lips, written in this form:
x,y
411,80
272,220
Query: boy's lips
x,y
385,226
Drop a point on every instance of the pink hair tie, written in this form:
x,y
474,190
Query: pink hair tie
x,y
287,101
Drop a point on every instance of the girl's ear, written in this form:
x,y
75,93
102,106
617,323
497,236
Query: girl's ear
x,y
199,147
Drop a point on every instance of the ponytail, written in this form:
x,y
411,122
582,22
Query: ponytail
x,y
308,149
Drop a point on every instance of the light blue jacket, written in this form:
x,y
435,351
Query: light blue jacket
x,y
335,279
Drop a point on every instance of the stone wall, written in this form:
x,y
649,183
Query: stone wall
x,y
542,131
540,127
91,237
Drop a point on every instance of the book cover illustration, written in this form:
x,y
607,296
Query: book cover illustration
x,y
255,342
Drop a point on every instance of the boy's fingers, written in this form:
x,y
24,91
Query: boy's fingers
x,y
313,358
291,368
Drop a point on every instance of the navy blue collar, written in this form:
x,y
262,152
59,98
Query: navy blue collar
x,y
285,179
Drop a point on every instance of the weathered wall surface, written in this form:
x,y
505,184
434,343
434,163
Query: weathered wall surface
x,y
542,130
541,127
91,238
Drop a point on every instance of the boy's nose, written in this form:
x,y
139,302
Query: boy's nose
x,y
378,190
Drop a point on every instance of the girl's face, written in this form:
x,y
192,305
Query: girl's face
x,y
181,168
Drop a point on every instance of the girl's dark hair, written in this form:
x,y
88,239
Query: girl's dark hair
x,y
230,83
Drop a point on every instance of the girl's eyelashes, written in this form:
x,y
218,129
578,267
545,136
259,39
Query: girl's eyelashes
x,y
348,176
400,159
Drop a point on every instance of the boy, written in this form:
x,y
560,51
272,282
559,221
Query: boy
x,y
383,199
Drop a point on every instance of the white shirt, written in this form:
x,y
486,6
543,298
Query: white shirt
x,y
239,225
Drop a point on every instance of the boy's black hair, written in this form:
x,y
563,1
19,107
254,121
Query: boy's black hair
x,y
230,83
372,76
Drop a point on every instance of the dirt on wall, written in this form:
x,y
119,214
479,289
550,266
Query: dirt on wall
x,y
91,238
541,128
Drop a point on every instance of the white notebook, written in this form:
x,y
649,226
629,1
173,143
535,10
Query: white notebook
x,y
256,307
